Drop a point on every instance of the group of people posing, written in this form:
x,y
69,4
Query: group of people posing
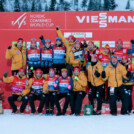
x,y
69,69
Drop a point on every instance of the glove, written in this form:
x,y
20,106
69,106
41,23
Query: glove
x,y
96,73
132,41
128,74
19,98
76,78
89,58
9,47
81,61
5,74
41,37
69,87
103,74
57,28
55,85
31,68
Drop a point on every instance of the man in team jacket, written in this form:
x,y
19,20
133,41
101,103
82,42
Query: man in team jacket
x,y
39,87
19,89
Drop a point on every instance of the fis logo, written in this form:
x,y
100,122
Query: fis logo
x,y
20,21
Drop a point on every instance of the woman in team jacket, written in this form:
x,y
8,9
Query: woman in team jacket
x,y
128,82
52,97
79,91
19,89
64,84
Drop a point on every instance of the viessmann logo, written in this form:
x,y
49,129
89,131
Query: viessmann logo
x,y
20,21
103,19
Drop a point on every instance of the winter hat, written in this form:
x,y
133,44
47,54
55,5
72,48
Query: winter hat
x,y
114,56
71,37
107,46
58,38
22,70
20,40
48,41
38,71
63,70
78,42
33,40
77,68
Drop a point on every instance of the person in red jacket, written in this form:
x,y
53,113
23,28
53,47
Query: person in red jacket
x,y
39,88
19,89
33,56
120,51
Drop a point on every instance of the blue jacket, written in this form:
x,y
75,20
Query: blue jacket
x,y
63,84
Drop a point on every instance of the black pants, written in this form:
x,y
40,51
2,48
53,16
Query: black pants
x,y
13,98
14,72
98,92
67,100
52,98
112,99
58,68
70,69
76,99
129,89
41,98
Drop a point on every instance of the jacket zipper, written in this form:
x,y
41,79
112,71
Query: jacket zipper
x,y
116,77
92,75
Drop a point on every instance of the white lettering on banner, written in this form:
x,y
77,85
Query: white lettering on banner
x,y
110,43
78,34
103,19
35,20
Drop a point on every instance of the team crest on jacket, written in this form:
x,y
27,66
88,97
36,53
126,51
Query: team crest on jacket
x,y
112,69
17,52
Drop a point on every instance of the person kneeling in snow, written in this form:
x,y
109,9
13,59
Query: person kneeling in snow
x,y
79,91
19,89
39,87
65,85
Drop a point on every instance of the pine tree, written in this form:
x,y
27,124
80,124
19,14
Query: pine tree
x,y
25,6
128,5
33,6
46,7
52,5
91,5
16,6
66,6
112,4
84,4
106,5
1,6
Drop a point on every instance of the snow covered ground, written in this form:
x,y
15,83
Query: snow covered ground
x,y
40,124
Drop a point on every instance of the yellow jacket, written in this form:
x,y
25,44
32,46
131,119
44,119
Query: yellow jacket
x,y
95,81
69,46
131,83
45,85
75,62
81,84
115,75
18,57
10,80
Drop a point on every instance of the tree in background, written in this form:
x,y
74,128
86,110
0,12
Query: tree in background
x,y
84,5
16,6
52,5
91,5
1,6
66,6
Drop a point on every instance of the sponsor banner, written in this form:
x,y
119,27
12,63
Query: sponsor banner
x,y
79,34
100,20
127,44
110,43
